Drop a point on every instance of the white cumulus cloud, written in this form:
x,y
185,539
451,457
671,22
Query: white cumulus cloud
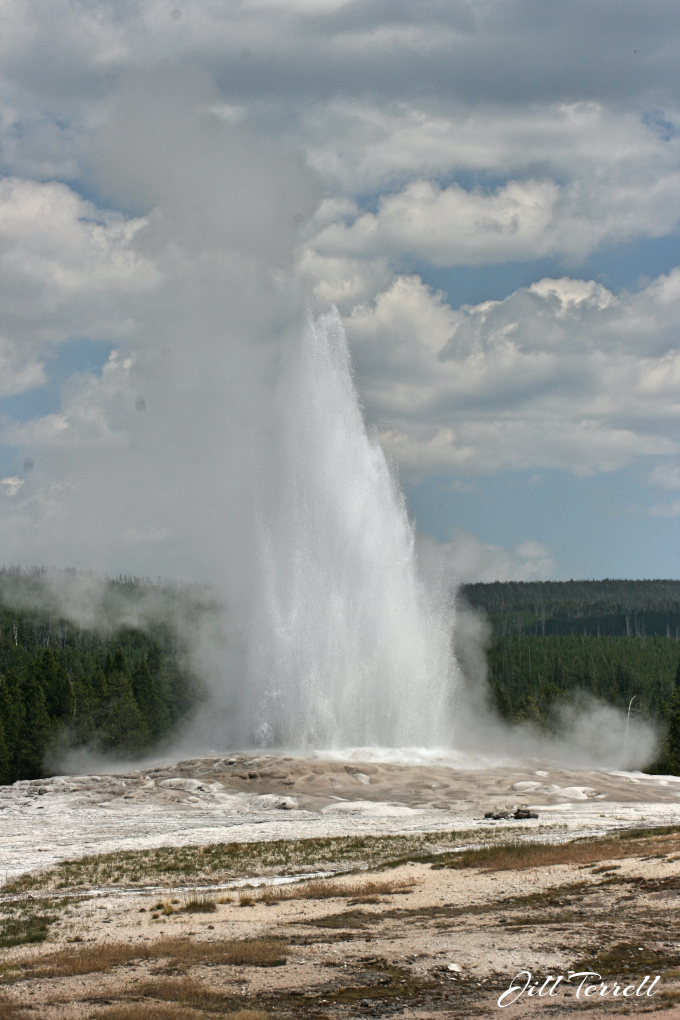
x,y
558,375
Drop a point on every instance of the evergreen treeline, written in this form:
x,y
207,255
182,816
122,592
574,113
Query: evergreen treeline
x,y
62,686
591,608
552,642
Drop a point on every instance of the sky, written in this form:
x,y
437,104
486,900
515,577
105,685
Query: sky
x,y
488,192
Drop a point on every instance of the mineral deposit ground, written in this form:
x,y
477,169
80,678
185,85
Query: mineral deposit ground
x,y
257,887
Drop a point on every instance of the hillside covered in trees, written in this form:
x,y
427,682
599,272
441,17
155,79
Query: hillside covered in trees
x,y
591,608
119,687
552,642
117,680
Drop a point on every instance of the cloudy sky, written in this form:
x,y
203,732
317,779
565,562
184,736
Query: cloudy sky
x,y
488,191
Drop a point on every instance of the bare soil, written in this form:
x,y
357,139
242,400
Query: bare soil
x,y
440,936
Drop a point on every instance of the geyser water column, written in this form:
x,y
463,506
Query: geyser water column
x,y
347,647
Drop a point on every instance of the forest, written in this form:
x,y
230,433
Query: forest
x,y
556,642
118,681
116,688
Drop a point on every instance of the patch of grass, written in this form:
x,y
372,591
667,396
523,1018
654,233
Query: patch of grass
x,y
13,1011
257,953
189,992
368,891
23,922
521,856
271,894
181,953
347,919
628,959
199,905
79,960
150,1011
222,862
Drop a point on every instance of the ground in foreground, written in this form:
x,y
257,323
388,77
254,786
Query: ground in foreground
x,y
438,935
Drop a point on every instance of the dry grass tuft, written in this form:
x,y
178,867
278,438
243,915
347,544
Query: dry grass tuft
x,y
257,953
181,952
199,905
522,856
150,1011
82,960
184,990
271,894
12,1011
367,891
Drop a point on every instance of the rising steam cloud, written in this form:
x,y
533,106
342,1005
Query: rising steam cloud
x,y
223,444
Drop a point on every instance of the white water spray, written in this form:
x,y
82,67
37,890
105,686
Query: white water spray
x,y
347,647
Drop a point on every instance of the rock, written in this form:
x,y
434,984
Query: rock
x,y
286,804
269,802
524,813
525,787
188,785
365,770
577,793
497,815
453,967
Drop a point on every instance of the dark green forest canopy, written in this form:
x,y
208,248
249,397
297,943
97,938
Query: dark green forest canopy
x,y
616,608
554,644
117,681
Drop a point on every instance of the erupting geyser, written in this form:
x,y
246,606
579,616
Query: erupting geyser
x,y
347,647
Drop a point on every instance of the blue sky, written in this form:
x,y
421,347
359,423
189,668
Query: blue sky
x,y
503,247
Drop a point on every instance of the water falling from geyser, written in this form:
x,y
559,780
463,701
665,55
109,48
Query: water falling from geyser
x,y
347,646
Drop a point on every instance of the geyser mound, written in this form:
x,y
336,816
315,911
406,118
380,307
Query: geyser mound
x,y
346,644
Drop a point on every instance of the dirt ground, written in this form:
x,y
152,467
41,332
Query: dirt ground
x,y
441,935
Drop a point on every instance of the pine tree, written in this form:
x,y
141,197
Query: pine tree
x,y
35,732
672,757
99,685
502,702
121,724
5,762
12,713
149,700
56,686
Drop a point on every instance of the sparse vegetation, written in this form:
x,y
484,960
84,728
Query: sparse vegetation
x,y
199,905
221,862
150,1011
525,855
179,953
368,891
26,921
174,1009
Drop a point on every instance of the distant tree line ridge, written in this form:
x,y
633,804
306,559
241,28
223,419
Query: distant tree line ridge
x,y
117,688
589,608
553,643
